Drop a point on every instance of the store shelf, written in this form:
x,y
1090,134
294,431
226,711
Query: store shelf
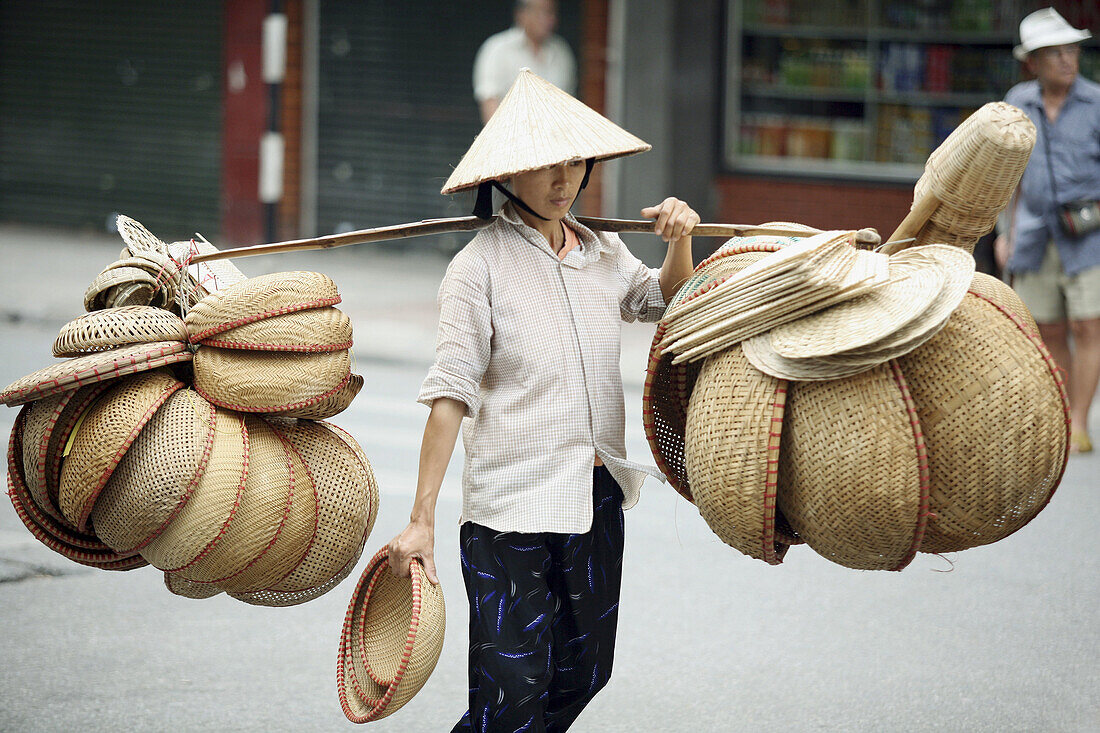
x,y
824,168
781,91
866,94
836,33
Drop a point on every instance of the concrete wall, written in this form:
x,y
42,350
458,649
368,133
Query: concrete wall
x,y
663,71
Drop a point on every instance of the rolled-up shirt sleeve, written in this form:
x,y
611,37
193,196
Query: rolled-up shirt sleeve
x,y
464,335
642,299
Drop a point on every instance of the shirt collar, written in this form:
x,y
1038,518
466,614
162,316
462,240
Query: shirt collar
x,y
1033,94
591,245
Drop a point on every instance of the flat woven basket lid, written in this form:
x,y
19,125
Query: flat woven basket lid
x,y
80,548
852,481
992,405
316,329
204,519
94,368
258,298
265,505
731,451
668,386
392,636
102,439
158,473
107,329
269,381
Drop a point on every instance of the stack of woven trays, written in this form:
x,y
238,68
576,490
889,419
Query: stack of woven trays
x,y
275,344
954,439
119,459
392,636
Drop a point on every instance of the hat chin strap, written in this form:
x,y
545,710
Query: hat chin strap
x,y
483,207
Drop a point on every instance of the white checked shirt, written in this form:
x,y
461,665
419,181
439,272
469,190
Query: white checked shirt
x,y
530,344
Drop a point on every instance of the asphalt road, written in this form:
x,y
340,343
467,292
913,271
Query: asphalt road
x,y
999,638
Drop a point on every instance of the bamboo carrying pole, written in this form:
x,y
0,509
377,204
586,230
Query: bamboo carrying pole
x,y
473,223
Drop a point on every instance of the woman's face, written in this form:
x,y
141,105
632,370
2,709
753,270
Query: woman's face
x,y
550,191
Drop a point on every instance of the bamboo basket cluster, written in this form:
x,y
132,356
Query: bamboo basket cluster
x,y
119,457
955,443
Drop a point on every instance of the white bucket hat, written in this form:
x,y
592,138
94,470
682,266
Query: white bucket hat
x,y
1043,29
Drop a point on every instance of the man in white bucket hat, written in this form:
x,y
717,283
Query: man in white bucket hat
x,y
1052,245
528,351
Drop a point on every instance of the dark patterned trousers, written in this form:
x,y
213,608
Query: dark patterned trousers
x,y
543,611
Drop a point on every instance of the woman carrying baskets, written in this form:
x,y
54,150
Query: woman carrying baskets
x,y
528,350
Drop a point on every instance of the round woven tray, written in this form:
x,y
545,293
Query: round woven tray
x,y
993,410
668,386
41,417
391,640
93,368
180,587
295,538
316,329
269,381
264,508
850,470
80,548
103,330
107,431
347,497
204,519
258,298
998,292
158,473
732,450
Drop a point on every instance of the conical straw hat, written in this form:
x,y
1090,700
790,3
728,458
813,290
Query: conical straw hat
x,y
536,126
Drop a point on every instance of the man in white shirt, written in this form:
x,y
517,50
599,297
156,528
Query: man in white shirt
x,y
530,43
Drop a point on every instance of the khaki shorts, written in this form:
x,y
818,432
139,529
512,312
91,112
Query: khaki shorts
x,y
1053,296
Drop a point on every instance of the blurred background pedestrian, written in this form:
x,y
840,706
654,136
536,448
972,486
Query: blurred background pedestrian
x,y
1052,246
530,43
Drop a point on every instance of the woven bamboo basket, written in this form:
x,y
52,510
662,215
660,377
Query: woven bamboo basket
x,y
326,407
732,451
668,386
103,330
81,548
347,496
94,368
269,381
265,505
41,419
295,537
185,588
943,473
392,636
973,174
308,331
158,473
258,298
993,410
853,480
203,520
102,439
